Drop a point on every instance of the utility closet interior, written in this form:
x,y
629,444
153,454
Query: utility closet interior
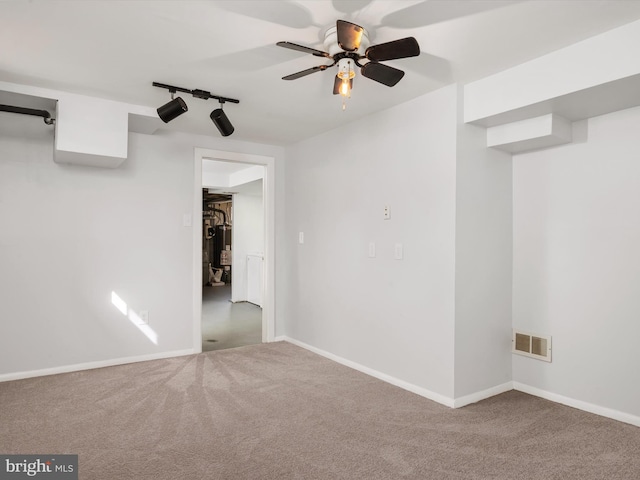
x,y
217,217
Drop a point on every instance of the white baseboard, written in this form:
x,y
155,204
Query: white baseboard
x,y
91,365
475,397
579,404
484,394
436,397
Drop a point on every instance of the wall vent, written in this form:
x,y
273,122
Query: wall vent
x,y
531,345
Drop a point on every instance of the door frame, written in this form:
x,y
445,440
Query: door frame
x,y
268,196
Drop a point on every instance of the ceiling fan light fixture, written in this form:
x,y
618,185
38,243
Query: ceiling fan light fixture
x,y
347,44
345,88
346,75
172,109
345,69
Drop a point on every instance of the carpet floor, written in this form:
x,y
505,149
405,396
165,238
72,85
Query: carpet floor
x,y
276,411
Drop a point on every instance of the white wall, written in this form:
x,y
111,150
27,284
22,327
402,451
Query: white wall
x,y
248,237
576,263
72,235
393,316
483,263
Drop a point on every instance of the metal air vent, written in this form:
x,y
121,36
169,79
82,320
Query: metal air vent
x,y
531,345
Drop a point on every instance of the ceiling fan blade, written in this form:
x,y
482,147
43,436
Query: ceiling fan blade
x,y
384,74
403,48
306,72
337,82
349,35
302,48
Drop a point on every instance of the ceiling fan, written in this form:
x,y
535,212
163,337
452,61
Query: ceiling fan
x,y
348,44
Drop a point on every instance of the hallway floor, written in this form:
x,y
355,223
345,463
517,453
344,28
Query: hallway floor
x,y
226,324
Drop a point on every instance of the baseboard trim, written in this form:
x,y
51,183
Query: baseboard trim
x,y
6,377
484,394
579,404
423,392
474,397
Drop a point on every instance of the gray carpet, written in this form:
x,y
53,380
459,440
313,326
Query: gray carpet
x,y
276,411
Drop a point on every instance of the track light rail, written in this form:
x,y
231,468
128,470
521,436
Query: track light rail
x,y
29,111
196,93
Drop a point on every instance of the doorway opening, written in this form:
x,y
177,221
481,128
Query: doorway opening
x,y
233,245
267,164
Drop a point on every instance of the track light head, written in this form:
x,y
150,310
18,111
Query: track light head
x,y
172,109
220,120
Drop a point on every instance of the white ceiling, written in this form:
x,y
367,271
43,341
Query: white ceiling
x,y
253,189
224,168
116,49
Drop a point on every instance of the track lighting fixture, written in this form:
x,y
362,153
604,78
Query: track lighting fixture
x,y
172,109
220,120
177,107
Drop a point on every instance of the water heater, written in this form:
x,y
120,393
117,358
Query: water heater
x,y
222,246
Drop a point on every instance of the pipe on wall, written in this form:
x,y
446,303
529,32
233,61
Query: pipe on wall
x,y
28,111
